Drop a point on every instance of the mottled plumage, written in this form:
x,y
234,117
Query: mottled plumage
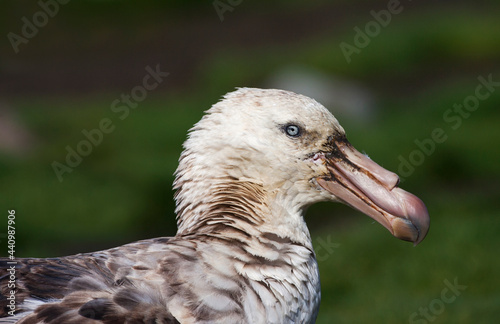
x,y
242,253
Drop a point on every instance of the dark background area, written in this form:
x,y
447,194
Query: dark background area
x,y
401,85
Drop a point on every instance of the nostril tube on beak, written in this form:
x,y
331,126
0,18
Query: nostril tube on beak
x,y
388,179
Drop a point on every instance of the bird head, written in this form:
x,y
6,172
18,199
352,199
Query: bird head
x,y
297,152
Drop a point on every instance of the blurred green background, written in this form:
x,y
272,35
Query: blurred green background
x,y
404,80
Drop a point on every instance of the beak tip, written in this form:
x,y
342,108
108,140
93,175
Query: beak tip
x,y
413,225
422,233
410,230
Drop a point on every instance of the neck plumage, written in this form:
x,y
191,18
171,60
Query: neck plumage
x,y
224,205
218,206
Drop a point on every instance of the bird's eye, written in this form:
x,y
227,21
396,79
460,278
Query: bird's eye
x,y
292,130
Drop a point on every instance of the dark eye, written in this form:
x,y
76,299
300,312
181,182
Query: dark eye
x,y
292,130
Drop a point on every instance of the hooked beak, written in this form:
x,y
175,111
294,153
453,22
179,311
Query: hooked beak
x,y
364,185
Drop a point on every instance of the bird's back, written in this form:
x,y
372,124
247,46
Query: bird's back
x,y
83,287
